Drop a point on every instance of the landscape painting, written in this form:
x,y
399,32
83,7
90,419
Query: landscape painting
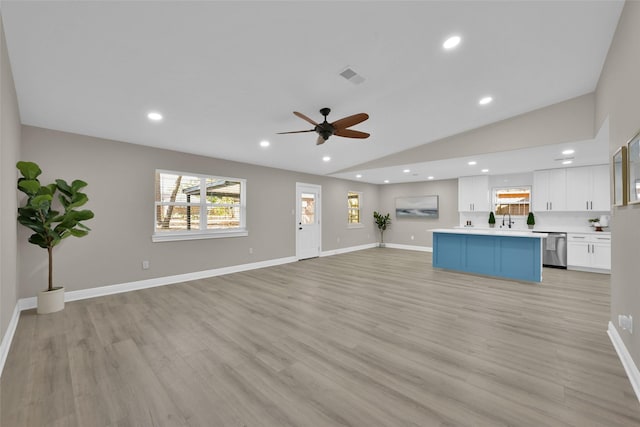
x,y
417,207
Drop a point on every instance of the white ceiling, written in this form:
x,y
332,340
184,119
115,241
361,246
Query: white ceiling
x,y
227,75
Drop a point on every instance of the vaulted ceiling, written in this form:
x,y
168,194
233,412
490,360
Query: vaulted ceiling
x,y
228,75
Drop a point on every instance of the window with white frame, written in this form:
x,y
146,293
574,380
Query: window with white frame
x,y
194,206
354,206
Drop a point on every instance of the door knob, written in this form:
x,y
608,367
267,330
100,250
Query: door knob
x,y
299,228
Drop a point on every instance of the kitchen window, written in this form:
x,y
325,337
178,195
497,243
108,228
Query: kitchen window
x,y
193,206
354,205
515,201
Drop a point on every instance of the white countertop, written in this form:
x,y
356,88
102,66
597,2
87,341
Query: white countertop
x,y
492,232
554,229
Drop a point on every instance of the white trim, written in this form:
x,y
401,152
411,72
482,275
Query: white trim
x,y
5,345
177,236
349,249
627,361
409,247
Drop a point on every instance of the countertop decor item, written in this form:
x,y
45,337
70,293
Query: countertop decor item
x,y
531,221
492,219
382,221
595,223
50,225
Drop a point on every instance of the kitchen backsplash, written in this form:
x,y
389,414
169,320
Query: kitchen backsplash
x,y
573,221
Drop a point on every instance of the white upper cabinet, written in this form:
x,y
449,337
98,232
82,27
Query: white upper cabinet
x,y
549,190
588,188
473,194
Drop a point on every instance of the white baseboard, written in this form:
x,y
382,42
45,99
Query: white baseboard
x,y
409,247
627,362
8,337
349,249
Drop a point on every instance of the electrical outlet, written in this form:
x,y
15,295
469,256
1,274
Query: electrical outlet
x,y
626,322
145,265
412,237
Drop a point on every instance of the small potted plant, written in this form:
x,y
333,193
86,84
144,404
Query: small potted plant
x,y
595,222
531,221
492,219
382,221
49,225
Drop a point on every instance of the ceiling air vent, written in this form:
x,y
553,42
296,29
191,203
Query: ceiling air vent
x,y
352,76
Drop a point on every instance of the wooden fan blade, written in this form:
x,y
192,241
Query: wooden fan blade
x,y
320,140
296,131
350,133
350,121
303,117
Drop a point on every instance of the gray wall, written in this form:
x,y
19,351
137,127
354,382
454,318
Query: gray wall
x,y
617,97
121,182
9,153
401,230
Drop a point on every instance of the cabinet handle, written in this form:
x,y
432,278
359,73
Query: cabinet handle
x,y
591,203
578,237
603,238
550,206
588,249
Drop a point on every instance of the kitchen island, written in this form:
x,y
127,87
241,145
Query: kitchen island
x,y
501,253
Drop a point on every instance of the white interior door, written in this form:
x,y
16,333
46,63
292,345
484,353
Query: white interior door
x,y
308,229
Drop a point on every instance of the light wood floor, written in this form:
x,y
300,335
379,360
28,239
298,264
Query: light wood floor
x,y
369,338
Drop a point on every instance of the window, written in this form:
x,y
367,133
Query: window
x,y
512,200
354,205
192,206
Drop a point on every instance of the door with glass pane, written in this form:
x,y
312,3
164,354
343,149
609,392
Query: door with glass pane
x,y
308,210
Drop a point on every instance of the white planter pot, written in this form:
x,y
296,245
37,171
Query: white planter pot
x,y
51,301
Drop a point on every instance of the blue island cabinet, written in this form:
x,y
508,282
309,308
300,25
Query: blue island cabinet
x,y
502,255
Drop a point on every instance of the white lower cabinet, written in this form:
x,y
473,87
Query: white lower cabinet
x,y
589,252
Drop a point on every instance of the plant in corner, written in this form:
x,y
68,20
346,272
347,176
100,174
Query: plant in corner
x,y
492,219
531,221
51,226
382,221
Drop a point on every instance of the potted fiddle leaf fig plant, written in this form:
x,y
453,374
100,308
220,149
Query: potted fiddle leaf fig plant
x,y
49,225
382,221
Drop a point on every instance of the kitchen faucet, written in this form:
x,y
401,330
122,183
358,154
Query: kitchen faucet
x,y
510,222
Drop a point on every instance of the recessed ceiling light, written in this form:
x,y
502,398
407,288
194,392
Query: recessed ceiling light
x,y
484,170
451,42
569,151
406,170
359,176
264,143
154,116
485,100
326,158
567,162
472,163
386,181
429,177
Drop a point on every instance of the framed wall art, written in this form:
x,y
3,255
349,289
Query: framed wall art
x,y
417,207
633,169
620,177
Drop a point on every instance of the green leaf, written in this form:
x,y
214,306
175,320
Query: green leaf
x,y
41,202
77,185
29,186
29,170
83,215
78,200
64,187
47,189
78,233
38,239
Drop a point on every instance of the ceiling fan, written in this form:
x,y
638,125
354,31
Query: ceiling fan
x,y
338,128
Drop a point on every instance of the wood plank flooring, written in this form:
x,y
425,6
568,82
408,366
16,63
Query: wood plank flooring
x,y
369,338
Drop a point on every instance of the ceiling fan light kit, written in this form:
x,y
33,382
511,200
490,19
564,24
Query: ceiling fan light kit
x,y
338,128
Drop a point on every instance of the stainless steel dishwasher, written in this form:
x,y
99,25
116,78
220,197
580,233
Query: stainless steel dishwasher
x,y
554,250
